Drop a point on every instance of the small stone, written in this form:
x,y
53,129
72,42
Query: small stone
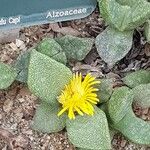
x,y
13,46
4,148
18,110
18,117
145,111
123,143
29,132
19,43
21,141
31,138
11,120
144,117
7,105
1,116
24,91
14,126
21,100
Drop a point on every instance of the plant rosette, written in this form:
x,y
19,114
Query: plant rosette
x,y
67,100
119,107
70,101
123,17
63,93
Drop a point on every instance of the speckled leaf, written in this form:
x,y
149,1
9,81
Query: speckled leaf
x,y
52,49
47,77
124,17
46,119
113,45
105,89
136,78
75,47
89,132
142,95
114,13
21,66
126,2
140,13
119,103
7,75
135,129
60,57
147,30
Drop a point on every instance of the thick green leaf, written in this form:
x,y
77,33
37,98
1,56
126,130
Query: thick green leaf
x,y
124,17
119,103
135,129
75,47
136,78
89,132
105,90
7,75
47,77
113,13
52,49
60,57
126,2
49,47
21,66
112,45
147,30
142,95
140,13
46,119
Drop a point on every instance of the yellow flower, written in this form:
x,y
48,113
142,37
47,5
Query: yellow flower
x,y
79,96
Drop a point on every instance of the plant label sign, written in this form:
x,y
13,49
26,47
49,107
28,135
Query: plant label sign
x,y
22,13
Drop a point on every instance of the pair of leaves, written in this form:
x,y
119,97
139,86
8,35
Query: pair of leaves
x,y
123,118
112,45
52,49
140,82
7,75
91,130
74,48
48,47
124,17
46,79
135,129
66,46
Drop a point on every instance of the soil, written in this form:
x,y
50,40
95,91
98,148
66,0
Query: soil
x,y
18,104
